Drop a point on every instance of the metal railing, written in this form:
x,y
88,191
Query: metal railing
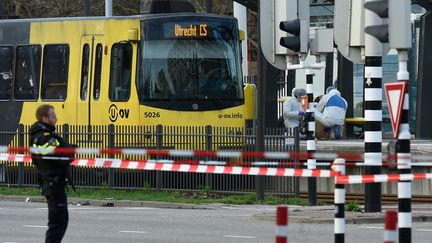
x,y
157,137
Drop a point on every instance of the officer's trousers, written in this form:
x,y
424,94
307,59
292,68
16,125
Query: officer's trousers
x,y
58,216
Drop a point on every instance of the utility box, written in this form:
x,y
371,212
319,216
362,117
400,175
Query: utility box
x,y
400,24
322,42
349,29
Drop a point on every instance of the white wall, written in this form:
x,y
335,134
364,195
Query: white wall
x,y
318,79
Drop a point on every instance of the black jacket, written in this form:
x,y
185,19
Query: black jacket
x,y
43,135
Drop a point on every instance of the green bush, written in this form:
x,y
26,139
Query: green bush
x,y
353,206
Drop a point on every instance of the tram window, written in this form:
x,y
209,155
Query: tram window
x,y
120,75
6,75
97,73
27,69
84,71
55,72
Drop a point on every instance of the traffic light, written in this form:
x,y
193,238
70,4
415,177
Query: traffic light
x,y
298,38
400,32
381,32
397,29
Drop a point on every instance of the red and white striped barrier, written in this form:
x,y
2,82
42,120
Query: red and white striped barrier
x,y
183,153
15,158
172,165
390,230
339,202
233,170
209,154
361,179
27,158
282,224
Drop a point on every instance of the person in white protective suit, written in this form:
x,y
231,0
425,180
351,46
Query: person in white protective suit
x,y
292,108
330,112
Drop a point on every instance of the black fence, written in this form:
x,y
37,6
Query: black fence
x,y
158,137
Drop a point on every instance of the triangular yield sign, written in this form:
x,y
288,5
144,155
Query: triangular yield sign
x,y
395,92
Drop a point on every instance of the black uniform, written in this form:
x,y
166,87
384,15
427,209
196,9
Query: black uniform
x,y
53,176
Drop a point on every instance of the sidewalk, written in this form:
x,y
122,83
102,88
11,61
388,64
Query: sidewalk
x,y
297,214
325,214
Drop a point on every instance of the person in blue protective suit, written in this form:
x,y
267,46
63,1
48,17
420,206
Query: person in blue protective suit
x,y
292,108
330,112
52,171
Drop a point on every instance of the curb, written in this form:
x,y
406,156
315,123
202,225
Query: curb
x,y
312,220
130,203
327,217
110,202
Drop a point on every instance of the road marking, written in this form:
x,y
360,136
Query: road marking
x,y
371,227
239,236
381,228
83,208
420,212
248,208
77,208
35,226
427,230
139,208
134,232
10,242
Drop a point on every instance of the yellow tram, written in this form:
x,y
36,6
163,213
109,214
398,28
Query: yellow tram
x,y
170,69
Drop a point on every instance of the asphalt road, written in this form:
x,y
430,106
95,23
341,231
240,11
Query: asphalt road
x,y
26,222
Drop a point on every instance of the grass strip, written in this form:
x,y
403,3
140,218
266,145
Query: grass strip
x,y
197,197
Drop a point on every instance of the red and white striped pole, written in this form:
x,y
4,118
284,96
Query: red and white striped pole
x,y
390,230
282,224
339,202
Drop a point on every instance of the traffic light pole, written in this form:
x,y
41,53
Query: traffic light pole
x,y
298,42
311,142
403,153
310,119
261,90
373,113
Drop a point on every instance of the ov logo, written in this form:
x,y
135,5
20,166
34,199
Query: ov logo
x,y
114,113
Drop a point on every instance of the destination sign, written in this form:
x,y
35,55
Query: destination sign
x,y
199,30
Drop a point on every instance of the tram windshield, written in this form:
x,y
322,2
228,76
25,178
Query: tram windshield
x,y
190,59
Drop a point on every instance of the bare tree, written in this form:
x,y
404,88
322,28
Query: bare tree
x,y
7,9
224,7
68,8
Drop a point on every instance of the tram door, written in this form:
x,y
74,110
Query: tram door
x,y
89,98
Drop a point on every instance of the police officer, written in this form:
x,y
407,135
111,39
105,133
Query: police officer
x,y
53,173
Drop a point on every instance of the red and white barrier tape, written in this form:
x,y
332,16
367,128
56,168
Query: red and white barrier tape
x,y
27,158
361,179
15,158
171,165
209,154
220,167
182,153
213,169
